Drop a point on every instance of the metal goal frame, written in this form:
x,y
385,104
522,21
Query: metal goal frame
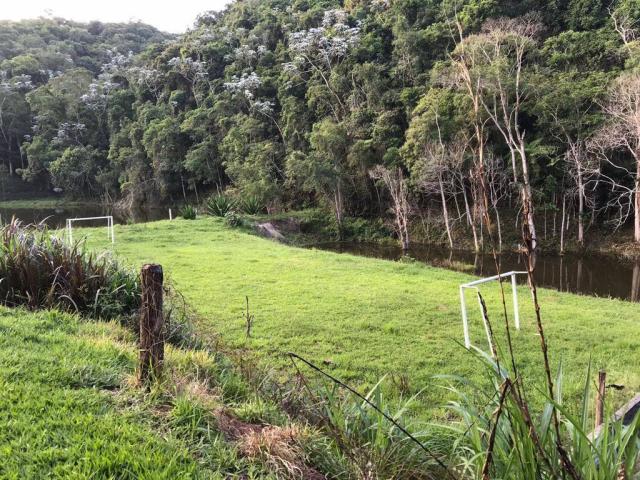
x,y
474,285
108,218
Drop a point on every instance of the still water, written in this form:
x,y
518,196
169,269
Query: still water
x,y
593,274
57,217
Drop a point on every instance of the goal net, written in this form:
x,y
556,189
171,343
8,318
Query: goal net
x,y
107,218
474,286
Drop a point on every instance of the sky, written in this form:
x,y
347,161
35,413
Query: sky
x,y
169,16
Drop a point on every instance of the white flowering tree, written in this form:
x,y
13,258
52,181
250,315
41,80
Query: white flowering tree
x,y
246,87
194,72
320,50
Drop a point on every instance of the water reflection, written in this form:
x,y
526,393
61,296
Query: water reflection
x,y
593,274
56,217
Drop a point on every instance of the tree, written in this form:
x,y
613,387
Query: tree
x,y
395,182
621,132
495,59
568,108
75,171
324,170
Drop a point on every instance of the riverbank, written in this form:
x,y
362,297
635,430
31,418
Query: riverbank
x,y
364,318
315,226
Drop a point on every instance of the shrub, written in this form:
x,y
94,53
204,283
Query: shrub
x,y
40,270
252,205
188,212
232,219
219,205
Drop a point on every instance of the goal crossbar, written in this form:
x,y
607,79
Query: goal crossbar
x,y
474,285
108,218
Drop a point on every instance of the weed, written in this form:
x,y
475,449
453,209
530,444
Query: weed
x,y
248,319
232,219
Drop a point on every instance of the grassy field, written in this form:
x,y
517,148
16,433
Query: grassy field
x,y
69,407
364,318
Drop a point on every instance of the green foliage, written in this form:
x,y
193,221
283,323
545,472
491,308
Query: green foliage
x,y
295,106
252,205
612,454
40,270
232,219
219,205
188,212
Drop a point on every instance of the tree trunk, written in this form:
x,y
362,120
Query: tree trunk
x,y
466,204
337,198
445,213
564,203
580,208
499,228
471,220
636,222
635,282
528,197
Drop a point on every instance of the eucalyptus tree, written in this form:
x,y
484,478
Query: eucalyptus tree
x,y
495,60
568,109
394,180
621,132
434,150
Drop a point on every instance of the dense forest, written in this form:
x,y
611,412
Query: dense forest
x,y
370,108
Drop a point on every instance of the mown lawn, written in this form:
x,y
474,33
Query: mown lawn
x,y
69,410
363,318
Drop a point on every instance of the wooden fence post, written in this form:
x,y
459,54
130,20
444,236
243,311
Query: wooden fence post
x,y
602,380
151,324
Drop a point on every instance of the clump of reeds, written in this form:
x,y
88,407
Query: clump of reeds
x,y
41,270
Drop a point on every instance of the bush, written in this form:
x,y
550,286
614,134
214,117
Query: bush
x,y
188,212
40,270
252,205
232,219
219,205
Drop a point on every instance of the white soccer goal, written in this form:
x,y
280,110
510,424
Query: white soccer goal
x,y
474,285
108,218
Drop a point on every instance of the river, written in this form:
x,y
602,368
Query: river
x,y
56,217
591,274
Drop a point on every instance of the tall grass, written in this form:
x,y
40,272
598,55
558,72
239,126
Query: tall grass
x,y
40,270
502,436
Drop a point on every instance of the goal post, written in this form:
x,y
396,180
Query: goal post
x,y
474,286
108,218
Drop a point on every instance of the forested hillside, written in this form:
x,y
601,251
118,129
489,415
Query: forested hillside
x,y
359,106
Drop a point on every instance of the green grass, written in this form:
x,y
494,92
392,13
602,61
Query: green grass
x,y
364,318
68,407
46,202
